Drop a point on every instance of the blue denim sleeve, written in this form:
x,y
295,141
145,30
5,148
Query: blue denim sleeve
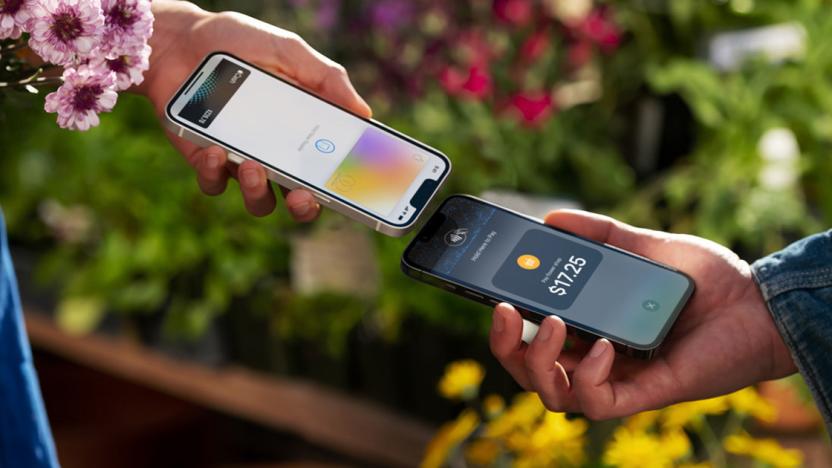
x,y
797,285
25,436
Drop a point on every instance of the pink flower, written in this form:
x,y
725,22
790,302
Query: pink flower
x,y
14,14
533,108
128,25
516,12
599,28
86,92
129,68
472,48
475,84
63,31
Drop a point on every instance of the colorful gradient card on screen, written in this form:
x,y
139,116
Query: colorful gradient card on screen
x,y
377,171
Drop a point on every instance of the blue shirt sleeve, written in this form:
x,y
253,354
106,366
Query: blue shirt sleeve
x,y
797,285
25,437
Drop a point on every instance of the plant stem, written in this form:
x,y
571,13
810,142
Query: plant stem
x,y
712,445
32,81
733,425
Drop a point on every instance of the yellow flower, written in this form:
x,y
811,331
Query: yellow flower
x,y
640,449
642,421
482,452
524,411
692,413
748,402
675,443
764,450
556,440
448,437
493,405
462,379
705,464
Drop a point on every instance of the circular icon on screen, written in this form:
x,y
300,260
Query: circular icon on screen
x,y
343,183
528,262
324,146
456,237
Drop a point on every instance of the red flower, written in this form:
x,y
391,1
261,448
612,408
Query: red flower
x,y
475,84
516,12
451,80
598,28
533,108
579,54
535,46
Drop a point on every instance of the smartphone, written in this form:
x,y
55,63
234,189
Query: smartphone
x,y
356,166
491,254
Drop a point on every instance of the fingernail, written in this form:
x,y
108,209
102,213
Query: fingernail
x,y
545,331
499,321
212,161
301,209
598,348
250,178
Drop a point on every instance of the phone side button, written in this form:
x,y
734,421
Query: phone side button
x,y
324,200
235,158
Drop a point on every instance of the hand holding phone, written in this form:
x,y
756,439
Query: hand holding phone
x,y
351,164
185,35
723,340
491,254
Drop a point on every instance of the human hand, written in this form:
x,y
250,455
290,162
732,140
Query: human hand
x,y
723,340
184,35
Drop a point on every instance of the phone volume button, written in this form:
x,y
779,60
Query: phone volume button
x,y
474,295
323,199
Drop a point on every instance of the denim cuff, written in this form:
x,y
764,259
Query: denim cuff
x,y
796,284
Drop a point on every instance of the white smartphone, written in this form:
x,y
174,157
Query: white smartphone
x,y
356,166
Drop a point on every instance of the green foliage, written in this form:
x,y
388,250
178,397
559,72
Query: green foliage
x,y
716,192
150,239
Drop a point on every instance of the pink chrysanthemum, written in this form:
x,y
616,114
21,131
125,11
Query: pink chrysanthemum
x,y
65,30
86,92
129,68
128,25
14,14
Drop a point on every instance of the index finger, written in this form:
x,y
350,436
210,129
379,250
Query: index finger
x,y
317,72
606,230
293,57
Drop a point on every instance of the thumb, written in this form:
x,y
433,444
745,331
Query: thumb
x,y
604,229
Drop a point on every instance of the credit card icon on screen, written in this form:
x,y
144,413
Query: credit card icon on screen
x,y
214,93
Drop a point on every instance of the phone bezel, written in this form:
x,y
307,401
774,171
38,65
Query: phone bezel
x,y
536,312
323,190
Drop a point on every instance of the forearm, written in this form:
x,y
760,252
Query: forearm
x,y
796,283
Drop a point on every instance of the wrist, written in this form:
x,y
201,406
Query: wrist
x,y
780,359
173,23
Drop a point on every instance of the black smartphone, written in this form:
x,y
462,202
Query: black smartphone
x,y
491,254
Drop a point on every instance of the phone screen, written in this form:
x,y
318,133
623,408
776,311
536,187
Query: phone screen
x,y
357,161
600,289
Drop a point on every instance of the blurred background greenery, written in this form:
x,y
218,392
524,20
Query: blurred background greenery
x,y
626,107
